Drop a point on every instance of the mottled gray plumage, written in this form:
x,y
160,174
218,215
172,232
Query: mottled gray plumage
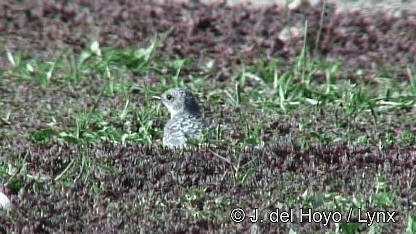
x,y
186,120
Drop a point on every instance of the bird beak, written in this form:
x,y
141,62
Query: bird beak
x,y
157,98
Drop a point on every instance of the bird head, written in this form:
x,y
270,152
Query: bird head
x,y
179,100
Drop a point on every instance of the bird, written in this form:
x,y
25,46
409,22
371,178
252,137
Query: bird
x,y
186,119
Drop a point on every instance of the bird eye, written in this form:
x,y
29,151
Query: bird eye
x,y
169,97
